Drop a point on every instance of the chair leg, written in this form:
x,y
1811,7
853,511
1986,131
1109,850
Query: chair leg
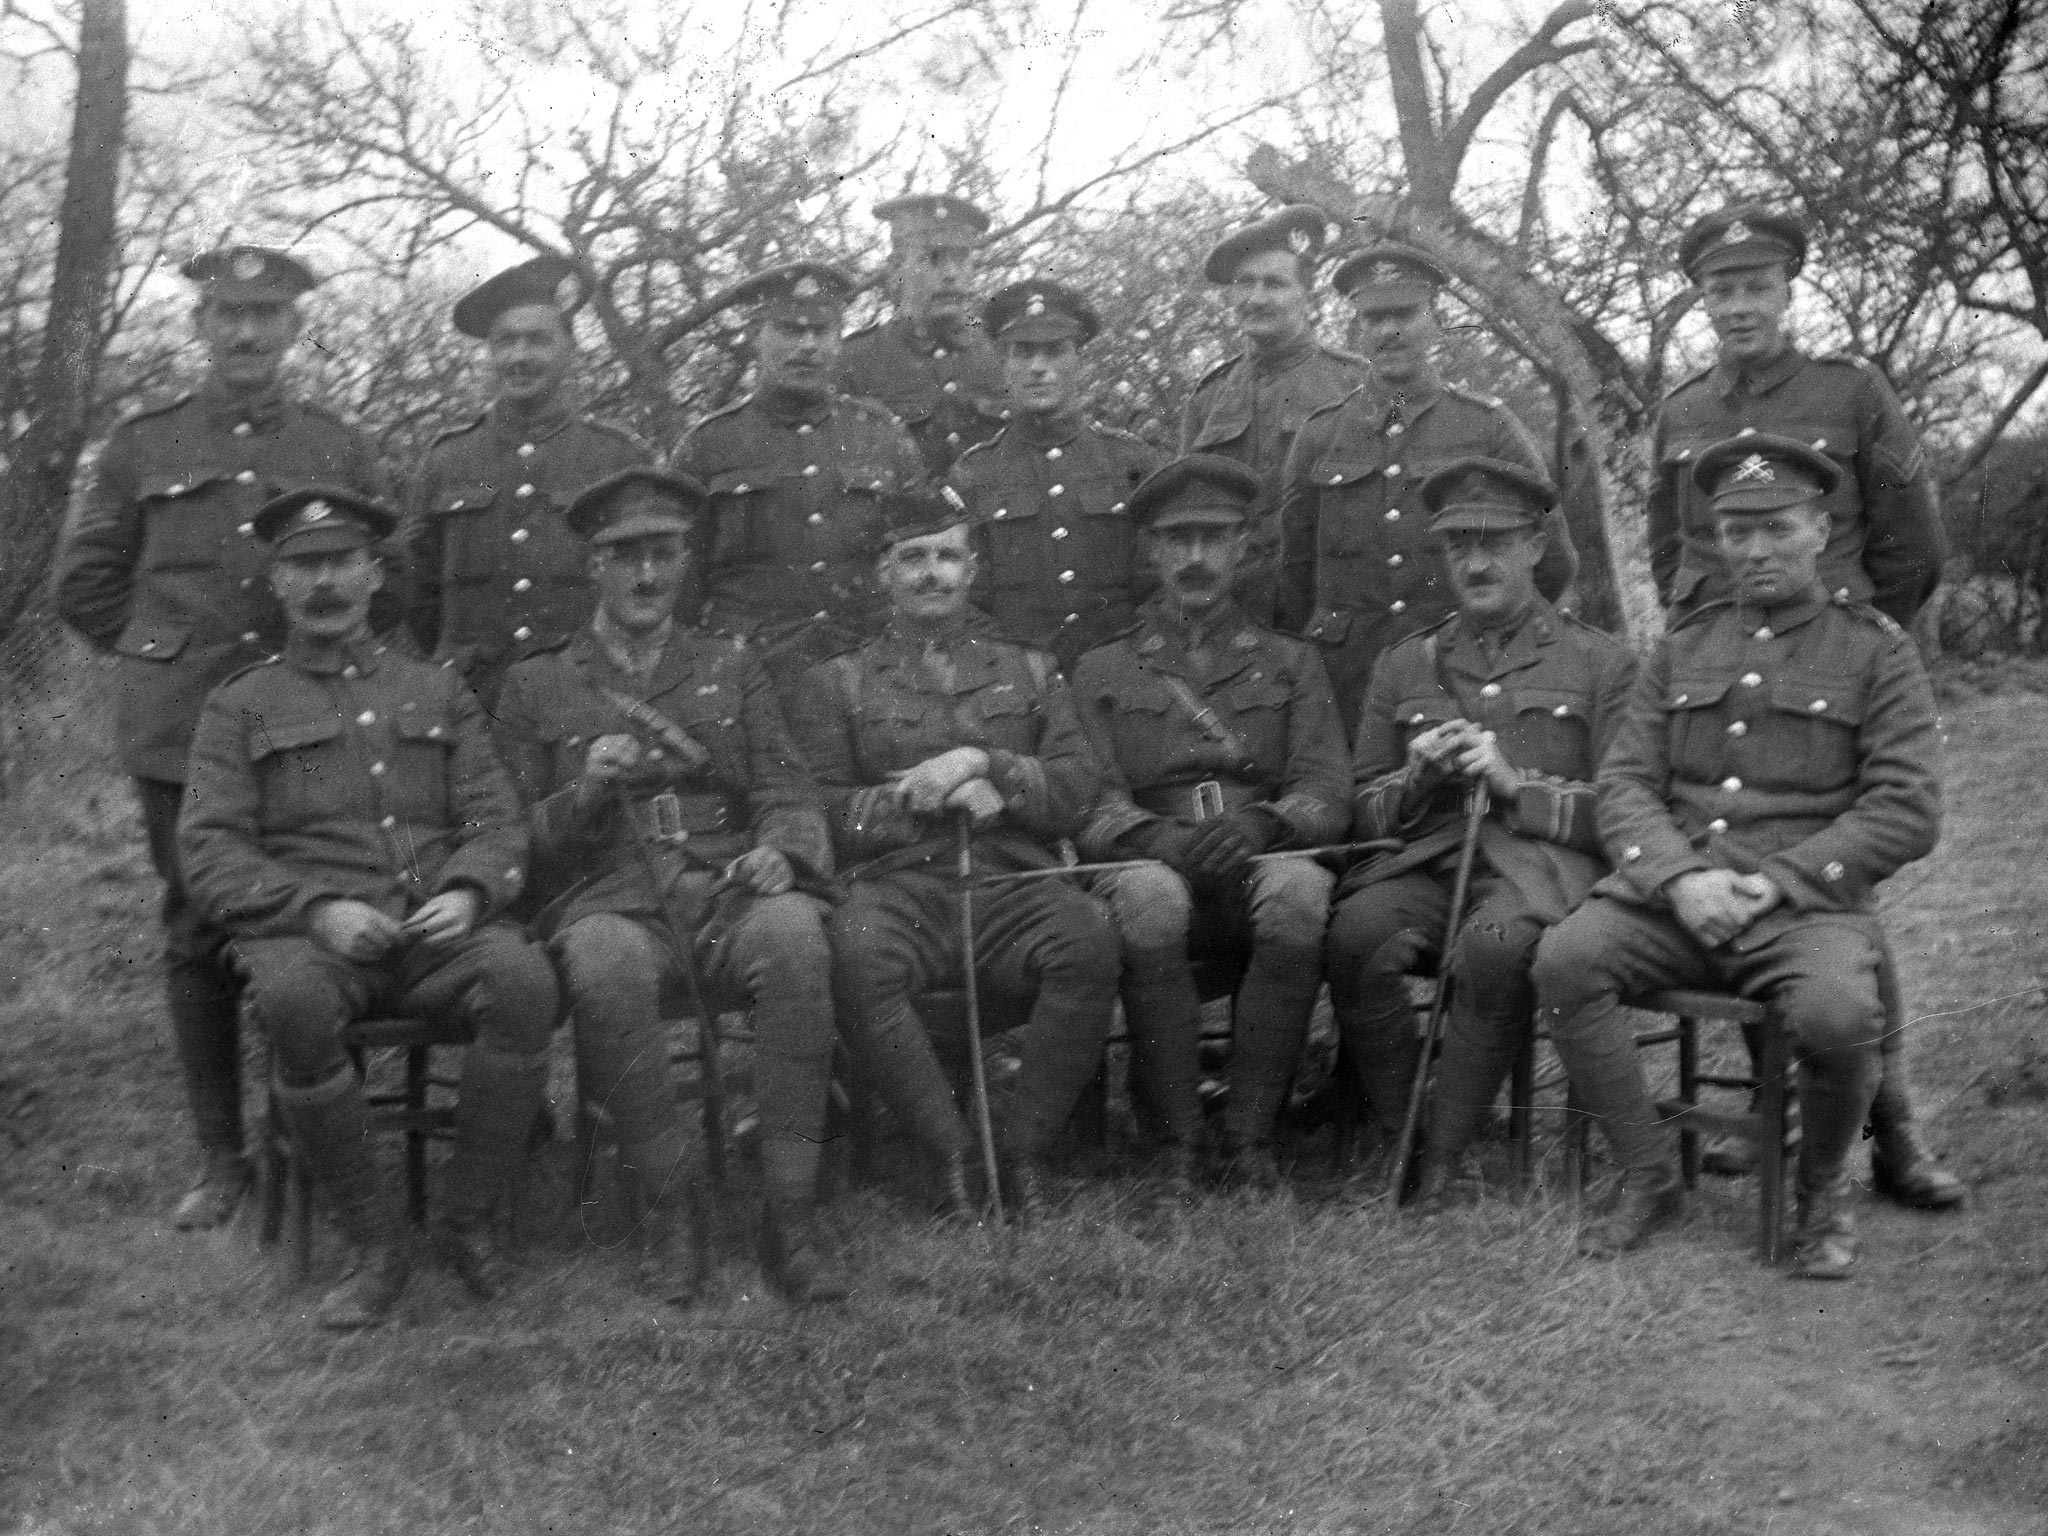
x,y
1775,1092
1689,1092
711,1077
416,1134
275,1168
1522,1110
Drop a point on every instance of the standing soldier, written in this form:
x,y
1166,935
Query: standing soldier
x,y
664,795
928,362
1048,495
932,721
1510,692
1250,406
1359,570
349,826
494,571
1779,758
797,474
1885,540
162,568
1219,741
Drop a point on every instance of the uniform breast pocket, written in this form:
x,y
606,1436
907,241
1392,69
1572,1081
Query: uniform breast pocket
x,y
1015,540
897,731
1349,492
186,520
1008,718
1817,718
1103,542
301,768
1424,712
1698,725
856,532
734,512
1550,732
425,747
472,544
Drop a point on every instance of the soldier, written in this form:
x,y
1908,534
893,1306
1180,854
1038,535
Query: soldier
x,y
928,362
1358,568
1510,692
1885,540
797,474
161,567
494,570
1250,406
1219,741
1777,760
663,790
350,828
932,721
1048,494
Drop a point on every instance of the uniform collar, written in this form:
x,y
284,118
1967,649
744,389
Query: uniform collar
x,y
790,410
361,655
1227,636
265,412
927,343
511,427
1789,614
1762,379
638,659
970,661
1047,431
1271,364
1410,400
1506,649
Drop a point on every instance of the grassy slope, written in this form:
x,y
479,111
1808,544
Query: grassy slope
x,y
1253,1368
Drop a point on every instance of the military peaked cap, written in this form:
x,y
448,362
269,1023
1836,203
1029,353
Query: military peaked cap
x,y
1481,495
1203,488
919,514
1747,235
547,280
322,519
1299,228
1038,309
933,218
252,273
635,503
1757,472
807,287
1390,273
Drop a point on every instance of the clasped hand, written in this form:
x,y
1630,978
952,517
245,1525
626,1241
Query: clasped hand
x,y
1460,749
1717,904
357,931
941,782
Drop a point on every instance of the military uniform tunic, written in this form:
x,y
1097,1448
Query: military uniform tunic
x,y
795,520
495,570
1060,562
1249,408
1886,545
949,397
876,711
1359,568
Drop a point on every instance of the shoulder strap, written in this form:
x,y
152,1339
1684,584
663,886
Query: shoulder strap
x,y
1206,719
679,741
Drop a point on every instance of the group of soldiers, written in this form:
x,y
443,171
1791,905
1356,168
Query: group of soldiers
x,y
574,731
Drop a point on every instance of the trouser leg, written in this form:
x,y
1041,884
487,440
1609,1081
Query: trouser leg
x,y
1489,1018
1289,903
200,991
1378,935
1151,908
611,970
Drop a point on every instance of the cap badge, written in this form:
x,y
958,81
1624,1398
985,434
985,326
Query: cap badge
x,y
940,212
248,266
565,293
1385,272
1299,240
314,511
1036,307
805,287
1736,233
1755,467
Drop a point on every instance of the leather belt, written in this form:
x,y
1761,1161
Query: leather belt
x,y
673,817
1200,801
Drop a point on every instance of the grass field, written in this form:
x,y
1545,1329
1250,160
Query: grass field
x,y
1303,1366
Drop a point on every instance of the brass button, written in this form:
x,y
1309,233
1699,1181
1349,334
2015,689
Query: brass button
x,y
521,535
388,823
952,386
379,770
523,632
524,490
523,584
1393,470
526,450
1059,533
1066,575
816,519
1739,728
1765,633
367,717
1399,605
1054,453
246,530
1562,711
1490,691
248,637
1731,784
1718,824
803,429
243,429
1057,490
1818,707
246,477
1752,679
810,470
1393,560
1393,514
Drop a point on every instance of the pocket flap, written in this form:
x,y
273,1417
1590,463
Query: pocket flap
x,y
1426,709
1840,699
169,485
1549,701
1696,692
269,737
1330,627
472,496
1347,471
1259,693
423,725
733,482
152,642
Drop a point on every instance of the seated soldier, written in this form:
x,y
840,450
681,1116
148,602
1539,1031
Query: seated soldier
x,y
1510,693
933,721
1778,759
666,799
1219,740
348,825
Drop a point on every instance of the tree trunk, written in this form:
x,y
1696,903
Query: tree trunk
x,y
38,477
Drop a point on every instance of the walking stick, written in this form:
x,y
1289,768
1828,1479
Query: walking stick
x,y
1109,866
1432,1029
984,1127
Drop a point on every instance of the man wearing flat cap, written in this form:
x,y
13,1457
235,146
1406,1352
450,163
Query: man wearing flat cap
x,y
663,792
929,362
1049,494
797,474
494,570
1250,406
932,722
1885,541
348,825
160,566
1359,570
1219,742
1510,693
1778,759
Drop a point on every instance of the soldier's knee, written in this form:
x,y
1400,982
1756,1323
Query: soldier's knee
x,y
1084,947
301,1009
1834,1016
595,950
1570,971
866,950
1291,902
515,1003
1151,906
1372,937
1492,957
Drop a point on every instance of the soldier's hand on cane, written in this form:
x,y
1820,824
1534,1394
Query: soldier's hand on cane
x,y
981,800
924,788
764,871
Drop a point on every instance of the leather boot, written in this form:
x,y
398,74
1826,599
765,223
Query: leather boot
x,y
1270,1026
1030,1204
330,1126
495,1109
1901,1167
213,1201
1824,1244
956,1191
1164,1017
1650,1198
669,1220
1254,1165
797,1248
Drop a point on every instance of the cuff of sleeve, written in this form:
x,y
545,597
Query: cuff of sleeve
x,y
1021,779
1110,823
1649,868
1302,818
499,887
1834,887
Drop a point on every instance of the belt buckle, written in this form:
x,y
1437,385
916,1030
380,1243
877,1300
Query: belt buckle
x,y
668,817
1208,800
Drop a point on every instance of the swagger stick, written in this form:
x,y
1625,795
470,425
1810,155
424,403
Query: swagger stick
x,y
1432,1030
983,1126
